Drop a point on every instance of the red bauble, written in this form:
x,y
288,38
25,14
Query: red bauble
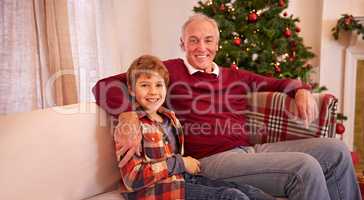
x,y
277,68
298,29
252,17
287,33
222,7
348,20
234,66
282,3
285,14
292,44
340,128
355,157
237,41
292,57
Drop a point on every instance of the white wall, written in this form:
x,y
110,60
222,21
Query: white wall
x,y
309,13
166,19
133,27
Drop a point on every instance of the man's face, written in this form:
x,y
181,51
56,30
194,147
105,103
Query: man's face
x,y
200,43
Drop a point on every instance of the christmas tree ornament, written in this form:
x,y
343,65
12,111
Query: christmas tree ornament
x,y
292,44
340,128
252,17
254,56
348,20
237,41
233,66
277,67
292,57
235,34
222,7
287,32
297,29
282,58
282,3
229,5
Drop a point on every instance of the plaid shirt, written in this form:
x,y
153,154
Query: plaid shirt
x,y
146,176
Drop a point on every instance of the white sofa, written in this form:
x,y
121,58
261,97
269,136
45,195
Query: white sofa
x,y
60,153
67,153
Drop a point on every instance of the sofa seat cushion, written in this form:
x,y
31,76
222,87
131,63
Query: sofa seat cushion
x,y
60,153
113,195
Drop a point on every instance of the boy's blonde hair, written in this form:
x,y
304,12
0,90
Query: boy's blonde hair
x,y
146,65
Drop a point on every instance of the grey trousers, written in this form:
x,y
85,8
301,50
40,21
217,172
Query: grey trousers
x,y
318,168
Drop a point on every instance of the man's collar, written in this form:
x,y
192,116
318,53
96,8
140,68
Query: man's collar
x,y
192,70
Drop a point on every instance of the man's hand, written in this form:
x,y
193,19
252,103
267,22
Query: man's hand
x,y
128,136
192,165
306,106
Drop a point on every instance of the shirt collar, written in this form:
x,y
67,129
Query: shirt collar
x,y
192,70
141,112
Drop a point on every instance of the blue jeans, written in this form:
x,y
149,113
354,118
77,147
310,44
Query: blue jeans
x,y
318,168
203,188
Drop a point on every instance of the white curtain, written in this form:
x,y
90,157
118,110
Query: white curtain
x,y
95,42
20,72
78,42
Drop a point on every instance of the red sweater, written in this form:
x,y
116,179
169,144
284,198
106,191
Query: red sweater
x,y
210,108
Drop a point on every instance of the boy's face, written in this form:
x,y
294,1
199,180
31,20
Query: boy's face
x,y
150,91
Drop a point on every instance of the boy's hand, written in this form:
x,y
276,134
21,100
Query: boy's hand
x,y
192,165
129,136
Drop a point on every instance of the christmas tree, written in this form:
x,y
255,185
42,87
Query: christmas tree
x,y
259,36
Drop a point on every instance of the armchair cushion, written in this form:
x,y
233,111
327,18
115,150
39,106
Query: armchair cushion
x,y
273,117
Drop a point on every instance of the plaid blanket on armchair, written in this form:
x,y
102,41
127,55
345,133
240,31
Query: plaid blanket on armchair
x,y
273,117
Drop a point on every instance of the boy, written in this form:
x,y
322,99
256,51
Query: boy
x,y
161,171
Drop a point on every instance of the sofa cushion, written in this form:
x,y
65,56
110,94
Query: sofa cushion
x,y
57,153
113,195
273,117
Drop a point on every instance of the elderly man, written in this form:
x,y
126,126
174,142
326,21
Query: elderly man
x,y
210,104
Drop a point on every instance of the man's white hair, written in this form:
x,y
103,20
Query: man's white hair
x,y
201,17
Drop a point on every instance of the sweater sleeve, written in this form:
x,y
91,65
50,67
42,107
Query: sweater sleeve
x,y
111,94
259,83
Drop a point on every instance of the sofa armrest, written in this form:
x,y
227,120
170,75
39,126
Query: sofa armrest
x,y
273,117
